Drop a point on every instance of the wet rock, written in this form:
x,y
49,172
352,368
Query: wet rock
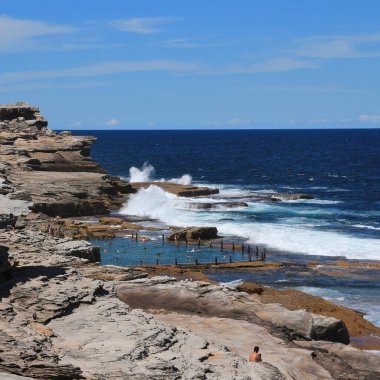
x,y
194,233
289,197
216,205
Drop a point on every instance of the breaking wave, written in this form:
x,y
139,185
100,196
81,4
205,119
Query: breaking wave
x,y
155,203
146,174
141,175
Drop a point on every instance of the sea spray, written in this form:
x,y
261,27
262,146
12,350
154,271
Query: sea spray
x,y
156,203
141,175
146,173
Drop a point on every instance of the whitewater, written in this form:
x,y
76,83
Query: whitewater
x,y
301,227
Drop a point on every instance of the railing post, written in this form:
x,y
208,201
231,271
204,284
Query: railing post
x,y
216,260
141,262
250,258
196,261
230,259
136,236
163,238
221,246
156,261
176,263
233,246
249,250
242,248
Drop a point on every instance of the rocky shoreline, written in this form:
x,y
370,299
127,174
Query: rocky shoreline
x,y
63,316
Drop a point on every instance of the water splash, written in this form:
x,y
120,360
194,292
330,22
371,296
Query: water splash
x,y
141,175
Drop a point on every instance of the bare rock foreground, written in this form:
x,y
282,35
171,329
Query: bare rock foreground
x,y
63,316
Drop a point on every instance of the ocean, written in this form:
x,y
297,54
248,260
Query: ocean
x,y
339,168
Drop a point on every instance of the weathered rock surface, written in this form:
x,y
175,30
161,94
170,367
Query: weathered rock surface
x,y
194,233
72,183
240,337
216,300
294,300
366,365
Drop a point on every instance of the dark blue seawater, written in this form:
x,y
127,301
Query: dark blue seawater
x,y
340,168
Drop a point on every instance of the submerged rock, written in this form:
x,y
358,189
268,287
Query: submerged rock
x,y
216,205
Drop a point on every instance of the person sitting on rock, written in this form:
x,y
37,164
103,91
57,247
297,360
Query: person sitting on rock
x,y
255,356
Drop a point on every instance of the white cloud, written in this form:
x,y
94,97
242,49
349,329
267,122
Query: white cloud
x,y
98,69
18,34
369,118
76,124
112,123
144,25
240,122
279,64
340,46
231,122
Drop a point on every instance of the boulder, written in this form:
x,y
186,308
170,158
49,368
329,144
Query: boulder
x,y
330,329
194,233
81,249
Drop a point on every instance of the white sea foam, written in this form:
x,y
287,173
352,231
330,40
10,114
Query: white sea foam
x,y
232,284
141,175
146,173
374,352
234,192
366,226
313,201
184,180
155,203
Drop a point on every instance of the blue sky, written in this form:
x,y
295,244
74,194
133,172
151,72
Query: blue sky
x,y
176,64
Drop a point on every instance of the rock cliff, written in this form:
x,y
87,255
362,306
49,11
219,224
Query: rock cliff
x,y
71,184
